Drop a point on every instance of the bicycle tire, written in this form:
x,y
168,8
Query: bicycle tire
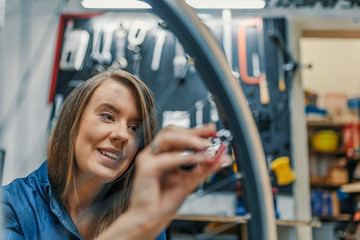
x,y
212,66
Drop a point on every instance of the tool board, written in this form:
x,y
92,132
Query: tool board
x,y
141,44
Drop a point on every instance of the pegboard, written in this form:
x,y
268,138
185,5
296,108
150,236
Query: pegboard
x,y
179,87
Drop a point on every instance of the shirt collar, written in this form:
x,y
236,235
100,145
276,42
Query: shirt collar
x,y
55,203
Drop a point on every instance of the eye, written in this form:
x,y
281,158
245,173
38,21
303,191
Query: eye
x,y
107,116
133,127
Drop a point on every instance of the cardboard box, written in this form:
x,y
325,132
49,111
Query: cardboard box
x,y
337,176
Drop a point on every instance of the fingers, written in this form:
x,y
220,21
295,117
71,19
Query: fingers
x,y
173,138
167,151
207,130
204,171
169,161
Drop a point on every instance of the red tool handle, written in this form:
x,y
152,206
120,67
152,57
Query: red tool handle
x,y
242,50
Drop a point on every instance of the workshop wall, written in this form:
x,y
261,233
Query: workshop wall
x,y
27,43
334,65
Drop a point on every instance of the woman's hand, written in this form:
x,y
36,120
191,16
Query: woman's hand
x,y
160,185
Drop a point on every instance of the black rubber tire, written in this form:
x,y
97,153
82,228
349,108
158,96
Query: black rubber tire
x,y
211,64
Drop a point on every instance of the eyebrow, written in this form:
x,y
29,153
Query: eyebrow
x,y
116,110
108,105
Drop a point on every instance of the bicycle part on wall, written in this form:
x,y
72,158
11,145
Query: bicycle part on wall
x,y
169,71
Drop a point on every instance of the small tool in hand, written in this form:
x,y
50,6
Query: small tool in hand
x,y
220,143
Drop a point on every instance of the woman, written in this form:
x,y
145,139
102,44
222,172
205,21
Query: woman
x,y
87,188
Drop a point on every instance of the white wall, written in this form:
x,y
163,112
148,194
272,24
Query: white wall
x,y
27,43
335,65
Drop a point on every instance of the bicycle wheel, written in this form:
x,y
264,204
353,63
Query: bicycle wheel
x,y
214,70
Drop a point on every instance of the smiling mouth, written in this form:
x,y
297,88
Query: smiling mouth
x,y
111,155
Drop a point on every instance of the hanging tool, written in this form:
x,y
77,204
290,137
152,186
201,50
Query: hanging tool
x,y
261,78
263,84
74,50
158,49
282,85
199,105
288,63
214,114
105,55
275,35
227,37
179,62
120,43
136,37
95,52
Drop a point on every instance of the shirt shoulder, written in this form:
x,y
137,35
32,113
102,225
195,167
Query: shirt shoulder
x,y
162,236
35,185
22,202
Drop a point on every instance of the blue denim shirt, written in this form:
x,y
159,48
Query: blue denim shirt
x,y
29,210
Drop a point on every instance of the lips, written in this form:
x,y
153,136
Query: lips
x,y
115,155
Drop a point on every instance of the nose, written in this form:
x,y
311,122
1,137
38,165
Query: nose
x,y
120,133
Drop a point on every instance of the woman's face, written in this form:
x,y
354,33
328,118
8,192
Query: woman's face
x,y
106,140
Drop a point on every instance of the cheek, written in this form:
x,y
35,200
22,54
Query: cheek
x,y
90,132
80,149
85,142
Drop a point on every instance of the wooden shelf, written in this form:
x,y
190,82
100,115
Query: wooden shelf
x,y
242,220
294,223
325,185
341,217
205,218
325,124
337,152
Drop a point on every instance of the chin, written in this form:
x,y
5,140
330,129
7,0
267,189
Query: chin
x,y
109,175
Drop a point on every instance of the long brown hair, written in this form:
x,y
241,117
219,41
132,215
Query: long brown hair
x,y
61,145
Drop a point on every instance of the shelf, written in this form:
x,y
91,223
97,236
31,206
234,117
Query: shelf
x,y
351,187
294,223
242,220
325,124
324,185
205,218
341,217
337,152
323,182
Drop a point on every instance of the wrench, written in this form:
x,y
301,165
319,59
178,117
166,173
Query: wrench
x,y
179,61
120,36
136,37
159,45
95,52
105,55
